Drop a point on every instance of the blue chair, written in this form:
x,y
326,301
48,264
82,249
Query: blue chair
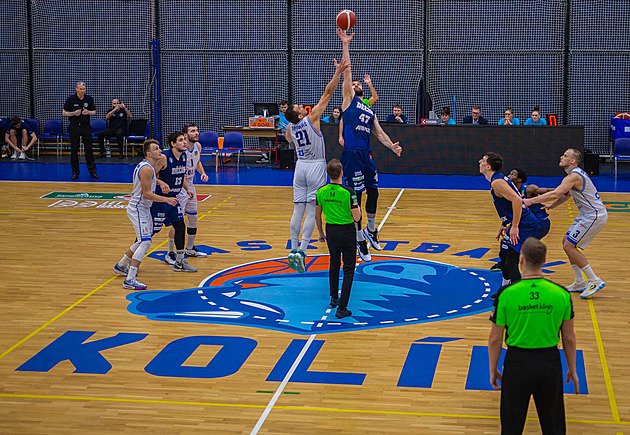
x,y
233,142
64,137
138,132
98,125
53,130
621,151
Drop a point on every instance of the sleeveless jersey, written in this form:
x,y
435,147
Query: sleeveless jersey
x,y
587,200
309,143
192,159
504,206
173,174
358,120
136,194
539,212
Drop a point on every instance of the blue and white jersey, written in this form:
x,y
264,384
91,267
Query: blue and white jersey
x,y
309,143
192,159
137,199
173,174
358,120
587,200
504,206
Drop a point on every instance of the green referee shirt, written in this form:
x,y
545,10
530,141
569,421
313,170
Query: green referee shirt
x,y
532,311
336,202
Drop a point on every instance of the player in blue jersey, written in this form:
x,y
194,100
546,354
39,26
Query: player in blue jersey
x,y
517,222
359,120
518,176
172,182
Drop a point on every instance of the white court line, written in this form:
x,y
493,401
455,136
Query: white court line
x,y
299,358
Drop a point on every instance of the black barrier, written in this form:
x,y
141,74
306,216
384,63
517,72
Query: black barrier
x,y
456,149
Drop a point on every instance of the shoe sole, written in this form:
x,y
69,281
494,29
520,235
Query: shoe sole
x,y
131,287
588,293
196,254
366,258
578,290
293,262
371,241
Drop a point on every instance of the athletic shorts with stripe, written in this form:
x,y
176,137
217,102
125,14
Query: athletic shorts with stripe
x,y
188,204
583,230
142,222
359,170
309,176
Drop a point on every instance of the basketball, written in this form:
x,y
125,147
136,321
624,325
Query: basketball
x,y
618,115
346,19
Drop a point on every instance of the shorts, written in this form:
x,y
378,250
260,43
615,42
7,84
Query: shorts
x,y
309,176
543,228
527,228
584,229
188,204
165,214
359,169
142,222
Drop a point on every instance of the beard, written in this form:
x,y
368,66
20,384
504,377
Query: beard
x,y
359,93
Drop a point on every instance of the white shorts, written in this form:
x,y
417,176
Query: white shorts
x,y
583,230
188,204
142,222
309,176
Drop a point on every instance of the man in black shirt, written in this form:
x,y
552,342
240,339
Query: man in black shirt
x,y
117,118
79,108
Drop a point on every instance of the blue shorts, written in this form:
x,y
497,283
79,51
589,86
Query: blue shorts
x,y
543,228
165,214
359,170
527,228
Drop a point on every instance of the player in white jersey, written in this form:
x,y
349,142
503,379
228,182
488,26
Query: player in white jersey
x,y
585,227
139,213
189,205
310,171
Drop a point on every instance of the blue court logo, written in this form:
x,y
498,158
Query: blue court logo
x,y
388,291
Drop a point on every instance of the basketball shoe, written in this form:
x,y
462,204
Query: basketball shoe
x,y
183,266
293,260
121,270
194,252
372,237
133,284
364,252
593,287
301,256
169,258
577,286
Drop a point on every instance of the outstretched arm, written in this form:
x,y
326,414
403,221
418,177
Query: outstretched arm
x,y
348,92
319,108
567,184
384,139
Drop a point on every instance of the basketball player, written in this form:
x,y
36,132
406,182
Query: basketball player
x,y
139,213
356,158
310,170
592,218
172,182
517,222
193,163
518,176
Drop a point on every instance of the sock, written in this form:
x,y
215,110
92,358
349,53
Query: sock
x,y
371,223
578,273
133,271
505,281
191,241
304,245
360,237
589,273
124,261
171,245
180,256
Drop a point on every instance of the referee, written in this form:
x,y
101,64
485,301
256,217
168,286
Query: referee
x,y
79,108
341,208
533,311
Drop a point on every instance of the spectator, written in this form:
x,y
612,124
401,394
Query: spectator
x,y
509,118
476,117
79,107
117,126
17,138
446,116
270,142
335,117
282,119
397,116
536,119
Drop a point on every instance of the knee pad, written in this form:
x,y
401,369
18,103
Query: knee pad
x,y
141,251
372,199
192,221
359,196
135,245
510,266
180,234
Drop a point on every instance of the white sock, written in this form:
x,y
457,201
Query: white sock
x,y
171,245
371,223
133,271
124,261
589,273
180,256
578,273
360,237
505,282
191,241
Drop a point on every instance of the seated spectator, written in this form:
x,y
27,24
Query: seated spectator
x,y
509,118
266,142
536,119
397,116
446,116
17,138
282,119
116,126
476,117
335,117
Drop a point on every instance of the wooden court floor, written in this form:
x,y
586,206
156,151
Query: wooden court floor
x,y
57,279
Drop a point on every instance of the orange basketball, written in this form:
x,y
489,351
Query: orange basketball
x,y
622,115
346,19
